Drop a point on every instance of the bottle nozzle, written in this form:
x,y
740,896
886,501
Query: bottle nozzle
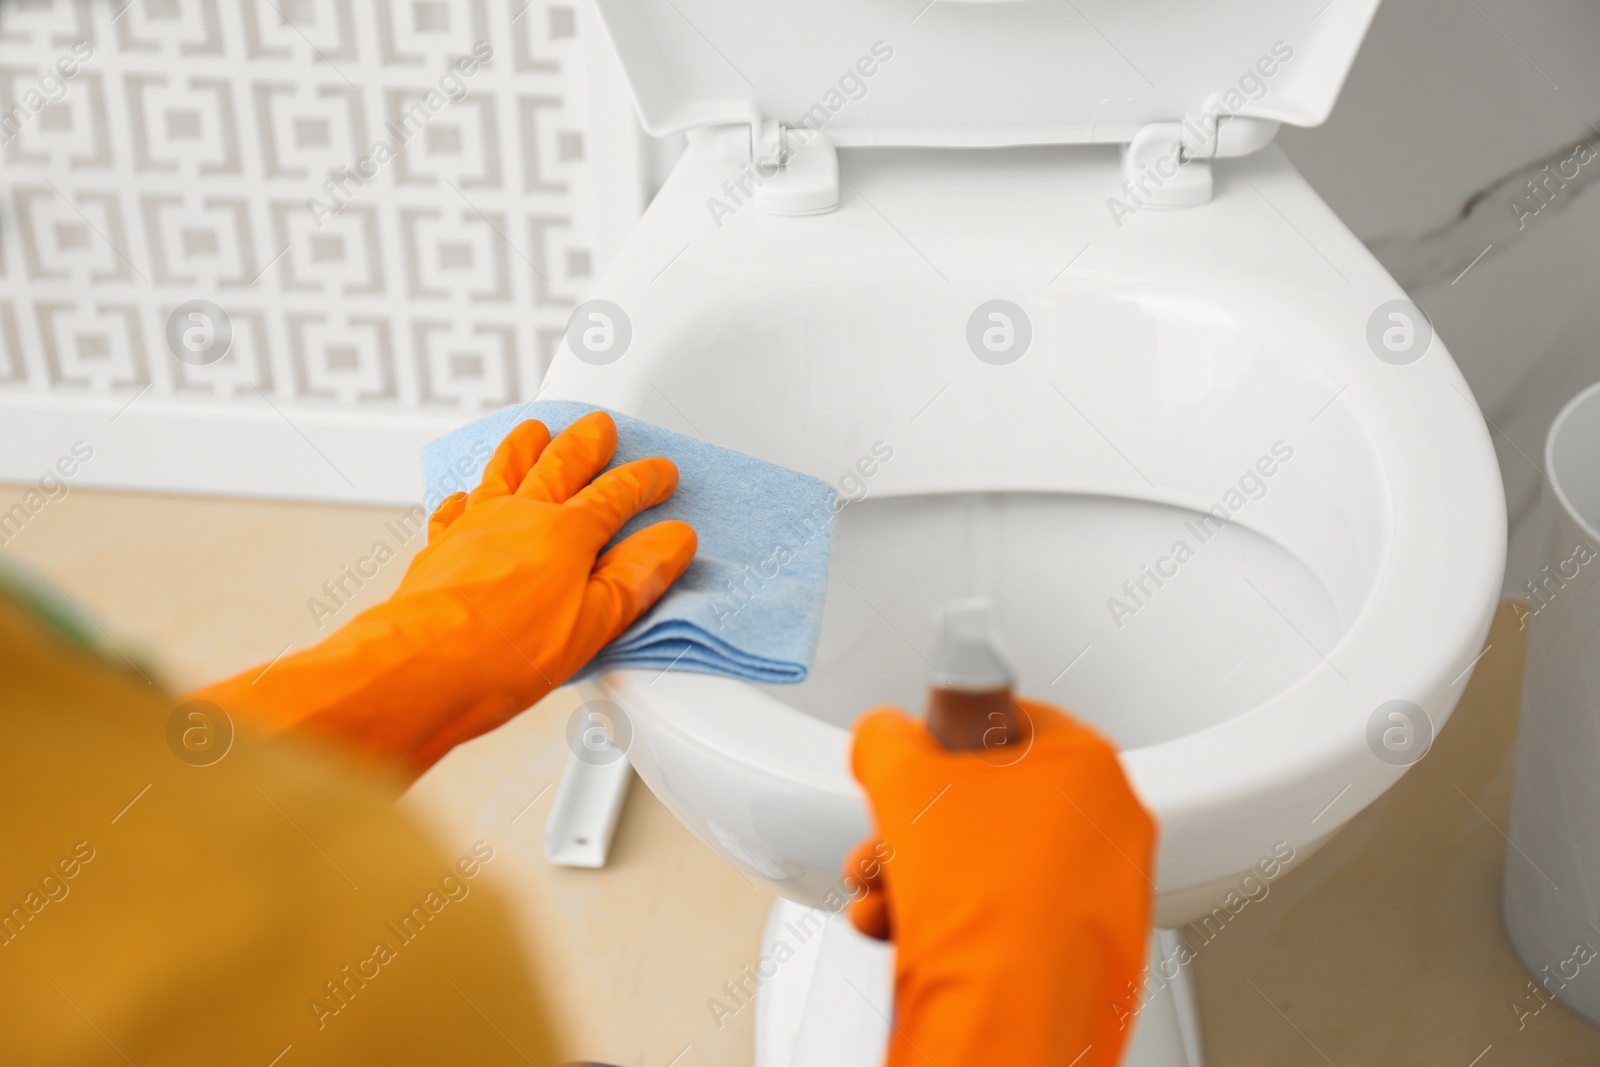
x,y
968,653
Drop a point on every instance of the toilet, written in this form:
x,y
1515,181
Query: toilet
x,y
1028,282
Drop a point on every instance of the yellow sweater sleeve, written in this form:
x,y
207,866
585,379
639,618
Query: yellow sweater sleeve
x,y
269,907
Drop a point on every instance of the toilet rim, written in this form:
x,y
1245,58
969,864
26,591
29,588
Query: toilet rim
x,y
1290,768
1307,739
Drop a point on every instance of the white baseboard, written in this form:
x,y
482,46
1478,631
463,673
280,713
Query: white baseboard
x,y
241,449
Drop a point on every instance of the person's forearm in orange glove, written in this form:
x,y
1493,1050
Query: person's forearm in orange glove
x,y
1018,895
509,598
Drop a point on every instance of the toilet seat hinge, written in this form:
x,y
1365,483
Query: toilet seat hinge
x,y
783,169
796,170
1168,164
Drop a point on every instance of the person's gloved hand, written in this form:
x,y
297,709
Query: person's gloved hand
x,y
509,598
1017,889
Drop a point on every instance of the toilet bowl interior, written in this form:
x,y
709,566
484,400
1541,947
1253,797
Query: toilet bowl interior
x,y
1149,620
1175,528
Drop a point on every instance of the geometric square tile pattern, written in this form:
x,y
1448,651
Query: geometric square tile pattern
x,y
390,201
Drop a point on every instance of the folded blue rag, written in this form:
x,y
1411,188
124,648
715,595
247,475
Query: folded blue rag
x,y
750,604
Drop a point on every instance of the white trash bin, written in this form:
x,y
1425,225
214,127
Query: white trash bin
x,y
1552,880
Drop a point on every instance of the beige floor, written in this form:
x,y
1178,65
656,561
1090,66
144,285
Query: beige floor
x,y
1386,948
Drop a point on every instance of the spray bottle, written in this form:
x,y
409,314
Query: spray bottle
x,y
971,705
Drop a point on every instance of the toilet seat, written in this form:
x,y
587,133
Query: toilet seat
x,y
1174,348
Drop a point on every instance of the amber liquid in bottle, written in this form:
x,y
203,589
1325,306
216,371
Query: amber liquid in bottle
x,y
966,721
971,706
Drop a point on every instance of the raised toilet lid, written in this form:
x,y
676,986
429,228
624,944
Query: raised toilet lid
x,y
959,73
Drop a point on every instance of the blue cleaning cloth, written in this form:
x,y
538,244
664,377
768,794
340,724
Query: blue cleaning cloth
x,y
750,604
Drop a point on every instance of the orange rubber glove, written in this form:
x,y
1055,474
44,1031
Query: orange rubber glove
x,y
509,598
1017,891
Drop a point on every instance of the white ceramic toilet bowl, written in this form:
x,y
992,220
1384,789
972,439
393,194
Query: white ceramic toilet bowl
x,y
1212,356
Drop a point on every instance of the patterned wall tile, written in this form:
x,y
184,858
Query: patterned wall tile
x,y
389,200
